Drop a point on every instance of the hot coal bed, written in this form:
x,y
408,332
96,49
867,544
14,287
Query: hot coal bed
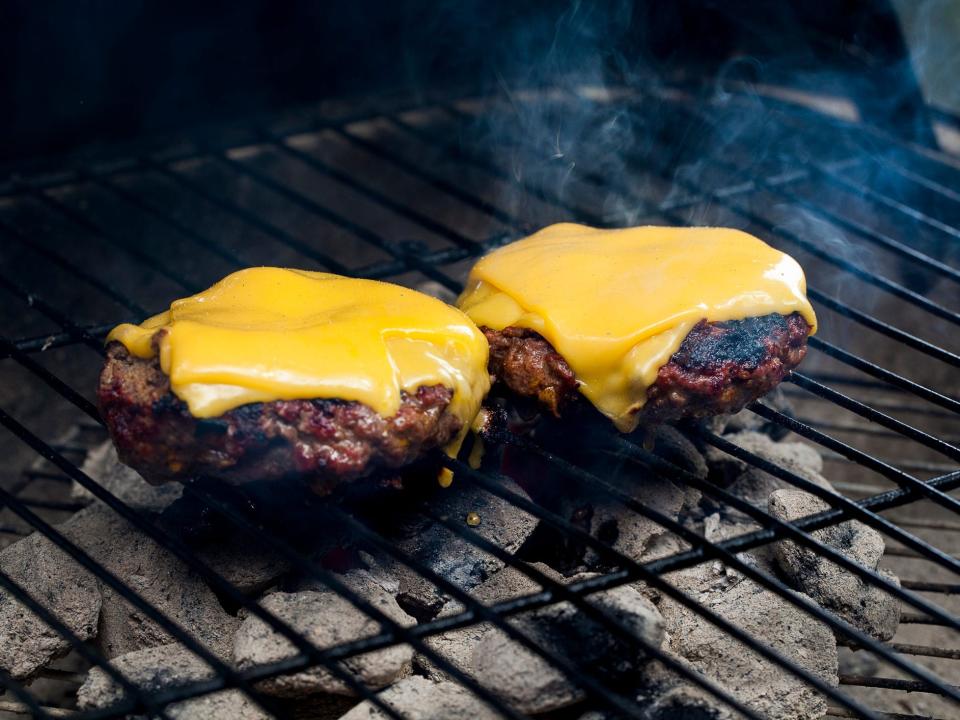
x,y
795,560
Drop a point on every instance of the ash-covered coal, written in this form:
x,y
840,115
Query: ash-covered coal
x,y
747,420
863,605
754,485
149,669
589,506
90,607
419,698
232,704
104,467
683,701
400,513
93,610
62,587
636,536
524,679
404,523
324,619
773,620
760,684
458,646
530,683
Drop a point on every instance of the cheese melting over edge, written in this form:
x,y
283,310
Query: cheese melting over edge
x,y
616,304
265,334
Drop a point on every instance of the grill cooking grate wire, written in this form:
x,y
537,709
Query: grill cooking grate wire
x,y
735,192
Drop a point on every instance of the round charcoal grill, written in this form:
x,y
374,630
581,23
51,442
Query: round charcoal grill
x,y
413,195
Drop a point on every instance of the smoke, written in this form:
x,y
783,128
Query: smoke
x,y
607,113
553,73
607,110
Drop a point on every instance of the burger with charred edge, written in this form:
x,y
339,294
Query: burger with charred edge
x,y
275,373
649,324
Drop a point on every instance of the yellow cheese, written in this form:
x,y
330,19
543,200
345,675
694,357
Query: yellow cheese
x,y
265,334
618,303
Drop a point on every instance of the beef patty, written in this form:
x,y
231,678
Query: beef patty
x,y
328,441
719,368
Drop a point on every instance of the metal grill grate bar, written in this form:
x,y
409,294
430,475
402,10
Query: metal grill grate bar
x,y
213,246
894,379
831,172
653,578
97,231
901,478
608,698
216,581
59,260
669,470
865,411
846,506
375,240
890,331
50,379
248,217
477,609
441,185
399,208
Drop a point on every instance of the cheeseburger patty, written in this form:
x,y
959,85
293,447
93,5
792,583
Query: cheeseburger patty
x,y
719,368
327,440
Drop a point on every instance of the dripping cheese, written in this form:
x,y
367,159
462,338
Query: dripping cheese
x,y
265,334
616,304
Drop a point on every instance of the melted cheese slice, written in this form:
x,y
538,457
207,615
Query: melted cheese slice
x,y
265,334
618,303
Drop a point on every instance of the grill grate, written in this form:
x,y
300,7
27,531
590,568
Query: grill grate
x,y
808,191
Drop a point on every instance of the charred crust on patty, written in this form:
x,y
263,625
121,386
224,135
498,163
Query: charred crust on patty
x,y
531,367
328,441
720,367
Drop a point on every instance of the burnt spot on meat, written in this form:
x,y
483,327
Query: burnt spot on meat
x,y
744,342
166,403
710,375
208,426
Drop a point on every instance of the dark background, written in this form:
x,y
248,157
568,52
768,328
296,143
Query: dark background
x,y
86,71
